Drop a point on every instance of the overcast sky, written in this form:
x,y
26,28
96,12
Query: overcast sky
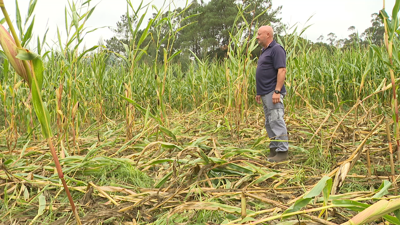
x,y
328,15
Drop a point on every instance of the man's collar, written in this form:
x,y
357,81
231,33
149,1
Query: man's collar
x,y
273,42
269,46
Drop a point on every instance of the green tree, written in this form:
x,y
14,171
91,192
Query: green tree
x,y
218,19
354,39
376,31
220,16
207,27
332,38
257,7
190,38
122,37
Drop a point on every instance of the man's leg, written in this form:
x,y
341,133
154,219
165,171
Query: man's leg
x,y
272,146
275,126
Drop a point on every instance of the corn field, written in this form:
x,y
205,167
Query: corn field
x,y
166,143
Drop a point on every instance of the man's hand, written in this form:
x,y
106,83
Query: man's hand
x,y
276,98
258,99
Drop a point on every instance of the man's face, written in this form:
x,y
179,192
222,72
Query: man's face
x,y
262,36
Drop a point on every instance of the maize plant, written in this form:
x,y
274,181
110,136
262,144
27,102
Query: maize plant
x,y
391,34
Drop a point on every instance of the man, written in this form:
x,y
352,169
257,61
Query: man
x,y
270,77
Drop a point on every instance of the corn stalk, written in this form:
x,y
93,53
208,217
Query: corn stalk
x,y
391,29
239,54
71,57
163,29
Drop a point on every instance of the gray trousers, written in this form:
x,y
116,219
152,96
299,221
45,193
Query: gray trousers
x,y
274,122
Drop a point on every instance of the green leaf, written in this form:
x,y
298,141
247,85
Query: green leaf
x,y
163,180
91,151
217,160
38,69
26,193
198,141
235,152
315,191
203,156
5,67
170,145
383,14
28,33
327,190
24,149
265,177
44,38
75,19
297,205
209,206
87,2
239,168
181,28
175,54
397,213
90,12
39,106
380,85
378,51
167,132
18,18
145,33
32,5
257,141
228,171
350,204
24,54
394,15
39,48
66,21
161,161
89,50
383,189
247,219
141,53
140,108
392,219
198,60
42,204
59,40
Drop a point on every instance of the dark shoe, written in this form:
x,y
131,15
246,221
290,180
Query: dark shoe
x,y
272,152
279,157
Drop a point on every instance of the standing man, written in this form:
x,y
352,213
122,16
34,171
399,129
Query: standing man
x,y
270,77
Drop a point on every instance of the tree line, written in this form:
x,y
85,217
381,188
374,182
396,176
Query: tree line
x,y
205,29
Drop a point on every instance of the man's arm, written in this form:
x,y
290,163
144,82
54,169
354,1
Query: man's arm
x,y
279,84
280,78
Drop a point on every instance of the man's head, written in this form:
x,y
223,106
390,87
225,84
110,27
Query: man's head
x,y
265,36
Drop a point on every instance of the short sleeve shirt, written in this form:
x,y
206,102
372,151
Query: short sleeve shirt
x,y
271,59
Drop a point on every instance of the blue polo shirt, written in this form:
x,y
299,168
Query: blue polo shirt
x,y
271,59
